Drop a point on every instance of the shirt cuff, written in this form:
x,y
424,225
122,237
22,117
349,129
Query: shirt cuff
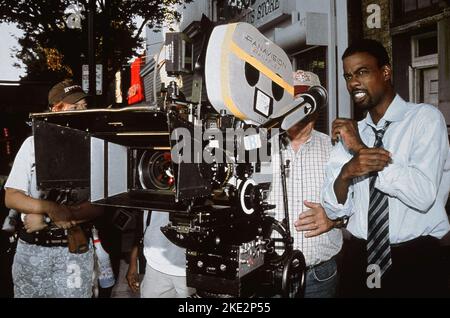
x,y
387,178
333,208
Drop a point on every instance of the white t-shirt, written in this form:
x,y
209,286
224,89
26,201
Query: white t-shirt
x,y
161,254
23,173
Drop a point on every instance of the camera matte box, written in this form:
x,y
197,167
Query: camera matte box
x,y
93,148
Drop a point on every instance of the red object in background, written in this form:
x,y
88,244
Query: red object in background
x,y
7,141
136,90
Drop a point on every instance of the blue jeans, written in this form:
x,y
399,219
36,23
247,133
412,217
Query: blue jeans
x,y
321,280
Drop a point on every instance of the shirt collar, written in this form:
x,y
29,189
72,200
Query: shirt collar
x,y
395,112
307,142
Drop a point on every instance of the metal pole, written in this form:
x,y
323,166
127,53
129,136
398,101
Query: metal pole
x,y
283,167
91,52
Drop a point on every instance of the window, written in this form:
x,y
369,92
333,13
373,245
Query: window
x,y
424,45
412,5
409,5
427,46
406,10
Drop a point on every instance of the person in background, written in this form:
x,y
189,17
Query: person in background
x,y
43,265
165,271
315,235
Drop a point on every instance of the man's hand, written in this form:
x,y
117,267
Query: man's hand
x,y
132,274
61,215
365,161
314,220
347,130
34,222
133,279
85,212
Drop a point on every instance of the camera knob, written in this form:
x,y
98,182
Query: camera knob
x,y
200,264
223,267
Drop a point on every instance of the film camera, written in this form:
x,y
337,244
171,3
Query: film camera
x,y
207,164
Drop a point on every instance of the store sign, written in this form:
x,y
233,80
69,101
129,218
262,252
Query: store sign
x,y
263,12
98,78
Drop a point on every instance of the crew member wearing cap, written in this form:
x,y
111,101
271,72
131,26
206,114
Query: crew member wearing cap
x,y
66,96
43,265
315,235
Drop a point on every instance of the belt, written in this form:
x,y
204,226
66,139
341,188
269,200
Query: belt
x,y
45,238
49,237
418,242
310,267
422,242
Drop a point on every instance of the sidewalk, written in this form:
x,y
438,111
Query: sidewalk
x,y
121,289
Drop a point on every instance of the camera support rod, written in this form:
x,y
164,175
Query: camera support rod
x,y
283,167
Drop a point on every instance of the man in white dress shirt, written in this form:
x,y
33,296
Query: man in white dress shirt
x,y
385,174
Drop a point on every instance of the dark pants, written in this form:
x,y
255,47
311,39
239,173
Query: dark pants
x,y
416,271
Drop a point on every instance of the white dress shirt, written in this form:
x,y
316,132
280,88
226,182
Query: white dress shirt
x,y
417,139
304,181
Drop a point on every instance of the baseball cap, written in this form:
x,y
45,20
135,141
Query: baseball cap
x,y
66,91
303,80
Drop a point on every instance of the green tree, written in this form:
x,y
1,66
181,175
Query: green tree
x,y
52,51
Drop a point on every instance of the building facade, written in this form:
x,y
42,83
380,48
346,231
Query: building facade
x,y
312,33
416,33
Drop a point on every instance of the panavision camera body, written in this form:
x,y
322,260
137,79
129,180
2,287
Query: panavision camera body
x,y
207,164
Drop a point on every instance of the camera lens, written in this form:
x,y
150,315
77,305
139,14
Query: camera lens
x,y
155,171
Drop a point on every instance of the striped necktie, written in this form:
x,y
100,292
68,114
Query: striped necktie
x,y
378,245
